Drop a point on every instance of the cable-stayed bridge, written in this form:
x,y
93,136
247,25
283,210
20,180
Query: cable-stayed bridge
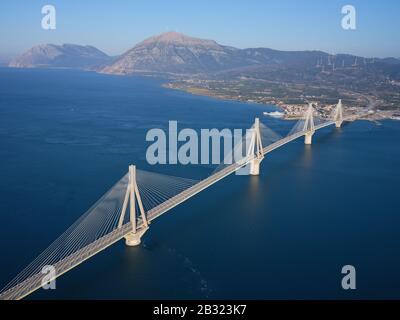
x,y
129,207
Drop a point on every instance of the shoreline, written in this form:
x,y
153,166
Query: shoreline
x,y
291,111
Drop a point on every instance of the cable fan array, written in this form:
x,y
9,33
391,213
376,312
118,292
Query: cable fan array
x,y
301,124
156,188
100,221
241,150
268,136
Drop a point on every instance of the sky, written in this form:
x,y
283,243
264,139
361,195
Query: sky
x,y
115,26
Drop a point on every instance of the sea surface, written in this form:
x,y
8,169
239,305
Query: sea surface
x,y
66,137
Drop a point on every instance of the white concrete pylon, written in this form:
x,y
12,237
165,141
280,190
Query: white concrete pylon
x,y
133,196
256,149
309,127
338,114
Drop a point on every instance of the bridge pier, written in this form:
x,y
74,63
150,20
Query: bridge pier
x,y
338,114
255,167
256,149
338,124
132,196
133,239
308,138
309,127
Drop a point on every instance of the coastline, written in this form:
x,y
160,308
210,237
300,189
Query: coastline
x,y
291,111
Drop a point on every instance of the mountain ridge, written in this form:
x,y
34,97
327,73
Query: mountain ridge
x,y
176,53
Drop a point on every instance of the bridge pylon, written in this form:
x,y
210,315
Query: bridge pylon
x,y
338,114
309,124
132,196
256,149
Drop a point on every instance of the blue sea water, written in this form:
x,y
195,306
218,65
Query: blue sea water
x,y
68,136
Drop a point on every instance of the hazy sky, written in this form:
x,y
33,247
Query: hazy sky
x,y
115,26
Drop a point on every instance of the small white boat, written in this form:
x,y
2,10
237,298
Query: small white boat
x,y
274,114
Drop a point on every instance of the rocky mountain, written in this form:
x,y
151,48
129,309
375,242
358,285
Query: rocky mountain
x,y
62,56
173,52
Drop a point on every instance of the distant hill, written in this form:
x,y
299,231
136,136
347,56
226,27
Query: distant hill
x,y
62,56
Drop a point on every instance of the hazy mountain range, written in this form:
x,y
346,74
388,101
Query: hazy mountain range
x,y
175,53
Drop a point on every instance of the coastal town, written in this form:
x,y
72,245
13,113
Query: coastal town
x,y
291,98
